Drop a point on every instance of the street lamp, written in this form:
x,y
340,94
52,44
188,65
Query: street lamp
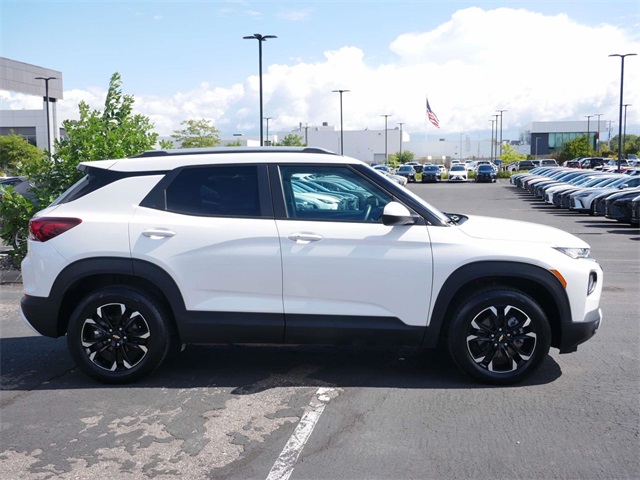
x,y
401,124
341,125
267,119
491,154
500,111
624,134
385,137
588,129
46,101
496,148
537,138
621,103
260,38
598,134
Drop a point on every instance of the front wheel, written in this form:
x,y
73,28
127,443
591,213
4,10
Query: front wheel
x,y
118,335
499,336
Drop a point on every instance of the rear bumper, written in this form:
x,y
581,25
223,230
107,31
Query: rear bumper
x,y
40,313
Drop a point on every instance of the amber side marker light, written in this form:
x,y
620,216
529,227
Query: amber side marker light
x,y
560,277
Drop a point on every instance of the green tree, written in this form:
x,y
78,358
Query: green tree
x,y
14,150
631,145
510,155
197,134
114,132
166,144
236,143
404,157
579,147
292,140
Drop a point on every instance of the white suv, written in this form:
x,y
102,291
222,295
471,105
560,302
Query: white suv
x,y
294,246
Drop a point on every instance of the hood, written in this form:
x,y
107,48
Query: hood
x,y
516,231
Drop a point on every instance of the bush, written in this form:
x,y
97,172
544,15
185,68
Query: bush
x,y
114,132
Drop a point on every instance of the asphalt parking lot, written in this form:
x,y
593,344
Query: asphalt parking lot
x,y
238,412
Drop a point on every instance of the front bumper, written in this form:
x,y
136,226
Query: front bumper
x,y
574,333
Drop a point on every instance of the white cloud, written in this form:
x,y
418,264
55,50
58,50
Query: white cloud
x,y
534,66
295,15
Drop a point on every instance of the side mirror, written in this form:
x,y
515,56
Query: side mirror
x,y
395,213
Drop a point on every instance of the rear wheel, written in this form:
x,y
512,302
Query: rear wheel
x,y
118,335
499,336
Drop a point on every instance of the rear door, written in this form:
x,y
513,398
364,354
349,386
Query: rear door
x,y
212,229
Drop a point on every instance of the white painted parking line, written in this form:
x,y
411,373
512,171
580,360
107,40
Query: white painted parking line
x,y
283,467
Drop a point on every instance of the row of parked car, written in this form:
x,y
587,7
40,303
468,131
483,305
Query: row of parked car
x,y
431,173
614,195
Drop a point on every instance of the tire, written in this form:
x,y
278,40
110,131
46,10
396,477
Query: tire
x,y
499,336
118,335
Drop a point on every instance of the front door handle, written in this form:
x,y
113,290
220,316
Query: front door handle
x,y
305,237
158,233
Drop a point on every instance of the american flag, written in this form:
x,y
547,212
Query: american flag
x,y
433,118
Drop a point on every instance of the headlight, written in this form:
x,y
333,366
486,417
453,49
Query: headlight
x,y
575,252
582,195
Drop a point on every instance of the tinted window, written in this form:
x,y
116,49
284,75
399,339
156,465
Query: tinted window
x,y
331,193
215,191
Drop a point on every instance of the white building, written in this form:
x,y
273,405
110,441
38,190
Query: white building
x,y
20,77
369,145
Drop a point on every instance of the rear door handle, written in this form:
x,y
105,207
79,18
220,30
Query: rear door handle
x,y
158,233
305,237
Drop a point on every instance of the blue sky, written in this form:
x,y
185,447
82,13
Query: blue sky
x,y
540,60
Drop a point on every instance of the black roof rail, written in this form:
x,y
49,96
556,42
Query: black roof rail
x,y
214,150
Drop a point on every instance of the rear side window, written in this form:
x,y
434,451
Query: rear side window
x,y
94,179
215,191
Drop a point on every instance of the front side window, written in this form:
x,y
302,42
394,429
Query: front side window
x,y
215,191
331,193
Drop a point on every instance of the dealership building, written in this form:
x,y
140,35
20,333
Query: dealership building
x,y
24,78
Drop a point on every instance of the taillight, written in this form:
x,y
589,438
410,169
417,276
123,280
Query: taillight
x,y
46,228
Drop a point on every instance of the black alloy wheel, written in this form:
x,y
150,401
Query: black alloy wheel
x,y
499,336
118,335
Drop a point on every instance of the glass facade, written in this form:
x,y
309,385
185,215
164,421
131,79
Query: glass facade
x,y
557,140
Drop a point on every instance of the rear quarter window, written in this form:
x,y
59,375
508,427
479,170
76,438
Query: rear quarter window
x,y
219,190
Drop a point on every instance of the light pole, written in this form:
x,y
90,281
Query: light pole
x,y
401,124
588,129
46,101
598,134
385,137
496,148
491,154
341,124
624,133
500,111
621,103
267,119
537,138
260,38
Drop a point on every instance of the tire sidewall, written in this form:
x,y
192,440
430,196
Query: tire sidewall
x,y
458,331
158,343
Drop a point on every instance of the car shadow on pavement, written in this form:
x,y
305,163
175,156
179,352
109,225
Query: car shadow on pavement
x,y
30,363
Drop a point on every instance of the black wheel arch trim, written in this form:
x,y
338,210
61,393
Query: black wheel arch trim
x,y
49,315
473,276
